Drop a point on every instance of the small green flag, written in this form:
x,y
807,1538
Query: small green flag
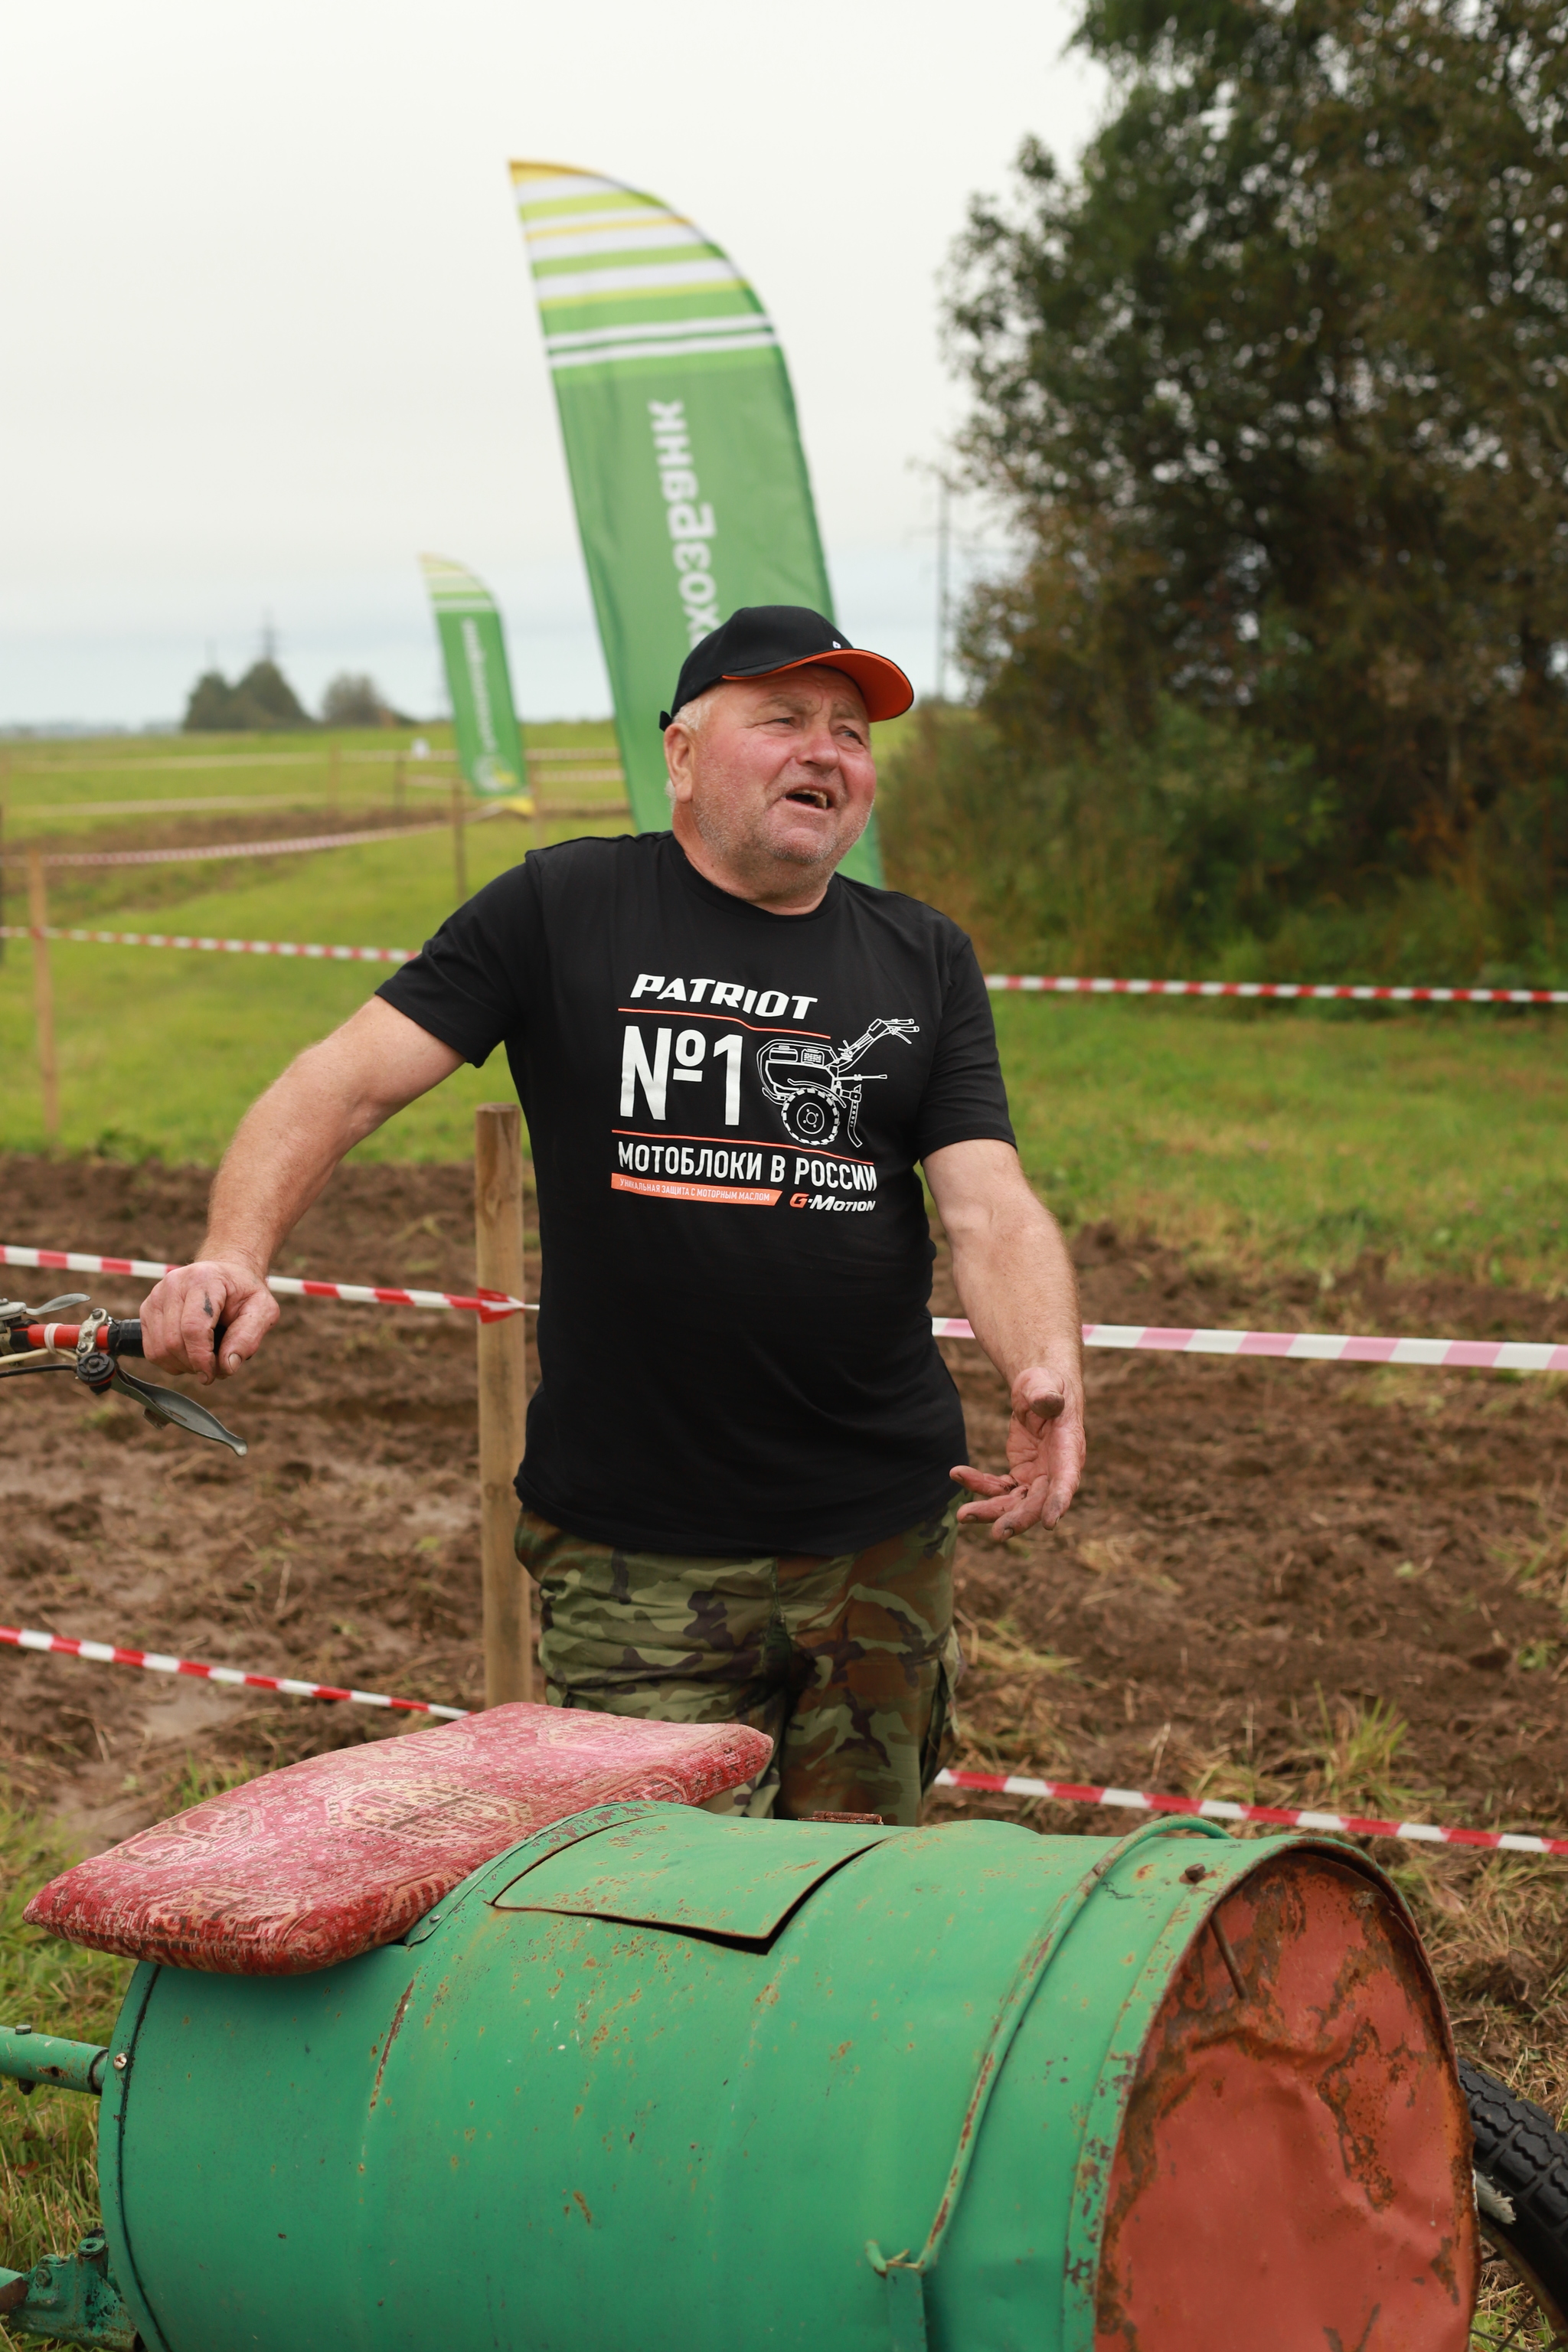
x,y
489,750
689,480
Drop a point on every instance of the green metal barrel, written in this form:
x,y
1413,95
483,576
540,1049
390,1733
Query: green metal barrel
x,y
664,2080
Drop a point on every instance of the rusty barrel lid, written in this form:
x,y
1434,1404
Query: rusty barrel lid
x,y
1293,2163
1237,2078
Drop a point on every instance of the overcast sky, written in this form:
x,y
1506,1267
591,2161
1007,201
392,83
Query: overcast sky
x,y
267,328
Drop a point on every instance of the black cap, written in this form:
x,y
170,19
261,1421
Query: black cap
x,y
762,639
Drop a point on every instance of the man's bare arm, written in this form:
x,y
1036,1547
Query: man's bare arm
x,y
284,1150
1018,1289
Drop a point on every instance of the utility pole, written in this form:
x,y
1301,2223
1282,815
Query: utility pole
x,y
943,543
1548,875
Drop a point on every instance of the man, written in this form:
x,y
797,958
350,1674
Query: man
x,y
737,1498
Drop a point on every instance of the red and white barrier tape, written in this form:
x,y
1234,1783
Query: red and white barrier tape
x,y
996,1784
1220,1808
155,1662
221,947
489,1305
1291,1346
1001,982
234,849
1051,984
1311,1347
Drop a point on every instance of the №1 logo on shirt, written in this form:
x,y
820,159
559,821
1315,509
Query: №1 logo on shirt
x,y
813,1087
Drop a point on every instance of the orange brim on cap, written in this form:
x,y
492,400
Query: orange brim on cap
x,y
884,690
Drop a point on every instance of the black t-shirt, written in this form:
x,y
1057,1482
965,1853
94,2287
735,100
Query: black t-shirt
x,y
725,1108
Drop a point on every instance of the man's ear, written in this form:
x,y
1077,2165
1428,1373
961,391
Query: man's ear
x,y
679,755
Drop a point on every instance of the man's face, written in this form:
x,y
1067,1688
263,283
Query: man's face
x,y
779,775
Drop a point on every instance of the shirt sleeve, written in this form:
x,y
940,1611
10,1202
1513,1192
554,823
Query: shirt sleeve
x,y
467,985
966,1097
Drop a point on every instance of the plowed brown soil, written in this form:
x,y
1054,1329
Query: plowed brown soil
x,y
1264,1560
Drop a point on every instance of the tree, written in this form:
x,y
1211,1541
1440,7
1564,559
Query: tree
x,y
262,701
267,700
1278,389
354,699
210,707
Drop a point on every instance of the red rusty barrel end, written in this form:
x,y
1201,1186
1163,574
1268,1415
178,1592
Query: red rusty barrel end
x,y
1294,2169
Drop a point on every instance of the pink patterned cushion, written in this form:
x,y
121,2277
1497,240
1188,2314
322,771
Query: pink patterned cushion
x,y
307,1866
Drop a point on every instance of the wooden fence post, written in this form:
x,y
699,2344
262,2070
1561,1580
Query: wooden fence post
x,y
43,993
459,846
503,1395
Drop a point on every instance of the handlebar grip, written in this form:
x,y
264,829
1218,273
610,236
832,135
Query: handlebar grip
x,y
125,1338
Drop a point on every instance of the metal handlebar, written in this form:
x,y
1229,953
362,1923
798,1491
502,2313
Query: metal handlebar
x,y
119,1338
31,2059
91,1349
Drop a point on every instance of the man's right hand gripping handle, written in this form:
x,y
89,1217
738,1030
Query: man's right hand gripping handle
x,y
208,1319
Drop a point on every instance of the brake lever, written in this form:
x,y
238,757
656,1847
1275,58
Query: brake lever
x,y
167,1406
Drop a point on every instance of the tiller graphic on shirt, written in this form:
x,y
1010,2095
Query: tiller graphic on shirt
x,y
812,1087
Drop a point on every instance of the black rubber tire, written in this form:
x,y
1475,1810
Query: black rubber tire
x,y
1520,2153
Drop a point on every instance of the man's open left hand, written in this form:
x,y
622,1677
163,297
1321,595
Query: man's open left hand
x,y
1044,1456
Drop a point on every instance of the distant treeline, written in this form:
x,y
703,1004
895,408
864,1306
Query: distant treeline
x,y
264,702
1274,393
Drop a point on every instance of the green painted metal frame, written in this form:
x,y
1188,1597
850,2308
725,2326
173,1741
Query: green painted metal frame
x,y
70,2298
47,2058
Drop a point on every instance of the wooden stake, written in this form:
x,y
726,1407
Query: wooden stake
x,y
43,994
459,846
503,1395
334,774
399,788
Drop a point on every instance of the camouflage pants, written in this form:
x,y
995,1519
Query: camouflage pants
x,y
847,1664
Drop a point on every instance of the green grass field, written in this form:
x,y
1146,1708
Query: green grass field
x,y
1278,1134
1297,1136
48,785
161,1049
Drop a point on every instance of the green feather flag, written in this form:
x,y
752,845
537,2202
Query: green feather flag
x,y
689,480
484,720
